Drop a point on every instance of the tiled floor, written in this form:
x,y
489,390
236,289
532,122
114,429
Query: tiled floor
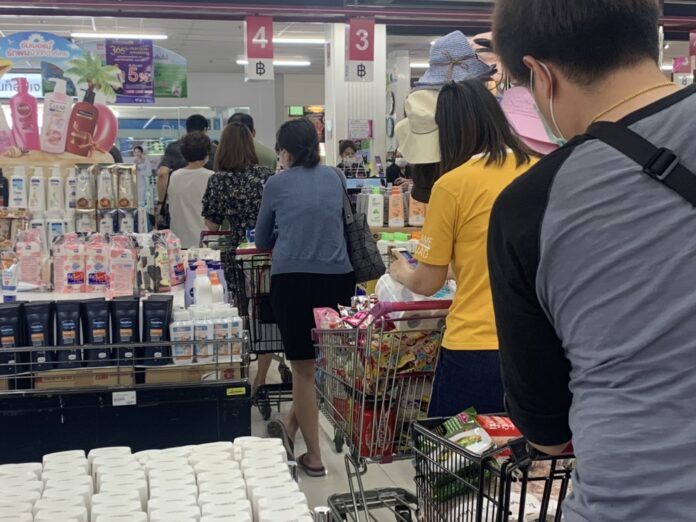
x,y
399,474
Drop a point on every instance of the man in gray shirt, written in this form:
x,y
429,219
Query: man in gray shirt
x,y
592,263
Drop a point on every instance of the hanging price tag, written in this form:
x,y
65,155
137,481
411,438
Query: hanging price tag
x,y
360,62
259,47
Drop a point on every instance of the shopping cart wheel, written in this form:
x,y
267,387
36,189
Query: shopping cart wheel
x,y
285,374
338,441
403,514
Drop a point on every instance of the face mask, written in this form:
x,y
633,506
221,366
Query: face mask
x,y
400,162
557,136
350,160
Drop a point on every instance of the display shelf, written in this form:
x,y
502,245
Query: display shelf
x,y
406,230
37,158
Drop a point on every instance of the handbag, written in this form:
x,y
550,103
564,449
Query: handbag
x,y
367,262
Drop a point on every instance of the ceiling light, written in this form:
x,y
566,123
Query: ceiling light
x,y
120,36
666,46
667,68
283,63
419,65
306,41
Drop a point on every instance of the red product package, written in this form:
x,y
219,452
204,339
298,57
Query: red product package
x,y
501,429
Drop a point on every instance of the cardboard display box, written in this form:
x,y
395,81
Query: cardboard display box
x,y
4,383
194,373
83,378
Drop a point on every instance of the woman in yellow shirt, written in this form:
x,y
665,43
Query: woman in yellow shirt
x,y
481,156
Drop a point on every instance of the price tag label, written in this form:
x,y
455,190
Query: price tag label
x,y
125,398
360,62
259,47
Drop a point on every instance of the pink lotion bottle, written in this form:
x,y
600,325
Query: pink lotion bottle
x,y
25,117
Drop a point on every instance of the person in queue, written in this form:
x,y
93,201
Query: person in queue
x,y
266,155
399,172
590,255
480,156
301,220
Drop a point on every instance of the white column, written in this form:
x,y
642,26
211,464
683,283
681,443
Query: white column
x,y
354,100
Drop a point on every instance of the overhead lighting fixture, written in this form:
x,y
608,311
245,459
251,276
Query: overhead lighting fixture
x,y
667,68
149,122
283,63
298,41
120,36
419,65
666,46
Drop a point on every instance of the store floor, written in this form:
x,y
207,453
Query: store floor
x,y
398,474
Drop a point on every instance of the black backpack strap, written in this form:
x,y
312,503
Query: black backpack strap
x,y
659,163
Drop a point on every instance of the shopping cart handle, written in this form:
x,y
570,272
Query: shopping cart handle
x,y
383,309
250,251
218,233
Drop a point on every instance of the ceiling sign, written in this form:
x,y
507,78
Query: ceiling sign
x,y
259,47
360,63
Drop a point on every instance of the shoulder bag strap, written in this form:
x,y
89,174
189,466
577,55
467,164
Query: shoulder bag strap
x,y
660,163
348,216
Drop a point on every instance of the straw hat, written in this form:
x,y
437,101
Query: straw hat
x,y
418,134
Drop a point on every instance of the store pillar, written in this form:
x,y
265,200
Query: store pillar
x,y
346,101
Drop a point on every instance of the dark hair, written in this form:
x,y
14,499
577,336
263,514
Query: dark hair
x,y
424,176
299,138
236,151
586,39
344,145
244,119
472,122
197,122
195,146
138,147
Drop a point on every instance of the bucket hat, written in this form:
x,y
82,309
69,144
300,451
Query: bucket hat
x,y
453,59
418,134
520,109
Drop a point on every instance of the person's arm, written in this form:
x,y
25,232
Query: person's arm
x,y
423,280
162,182
265,223
536,373
214,204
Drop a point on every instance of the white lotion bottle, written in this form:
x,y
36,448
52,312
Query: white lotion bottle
x,y
18,188
37,193
56,192
57,105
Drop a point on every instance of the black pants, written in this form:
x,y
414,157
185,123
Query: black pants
x,y
294,298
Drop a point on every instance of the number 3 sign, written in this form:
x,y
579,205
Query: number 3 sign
x,y
361,50
259,47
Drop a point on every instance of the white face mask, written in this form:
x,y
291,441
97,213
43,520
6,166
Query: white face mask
x,y
400,162
350,160
557,135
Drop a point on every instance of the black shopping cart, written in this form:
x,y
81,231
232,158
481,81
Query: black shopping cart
x,y
512,483
248,274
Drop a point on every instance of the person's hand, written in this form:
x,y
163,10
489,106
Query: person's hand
x,y
399,268
400,181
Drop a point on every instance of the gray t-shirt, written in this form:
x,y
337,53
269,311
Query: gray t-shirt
x,y
301,219
592,267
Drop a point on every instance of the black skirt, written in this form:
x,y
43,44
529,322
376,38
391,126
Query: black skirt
x,y
294,298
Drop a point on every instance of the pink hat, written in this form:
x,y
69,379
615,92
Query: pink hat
x,y
520,109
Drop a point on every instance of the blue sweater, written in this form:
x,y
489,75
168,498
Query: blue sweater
x,y
301,219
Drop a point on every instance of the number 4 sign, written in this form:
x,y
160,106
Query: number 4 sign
x,y
360,64
259,48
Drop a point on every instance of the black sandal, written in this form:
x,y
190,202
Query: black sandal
x,y
311,472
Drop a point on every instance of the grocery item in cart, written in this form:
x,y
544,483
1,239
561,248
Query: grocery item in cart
x,y
390,291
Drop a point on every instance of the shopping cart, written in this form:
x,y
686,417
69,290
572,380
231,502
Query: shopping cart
x,y
512,483
373,383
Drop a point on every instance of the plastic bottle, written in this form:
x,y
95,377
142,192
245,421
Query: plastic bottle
x,y
202,287
182,331
6,137
71,191
37,193
396,208
416,212
54,131
18,188
56,192
218,293
375,208
83,121
361,202
386,243
237,330
203,332
25,117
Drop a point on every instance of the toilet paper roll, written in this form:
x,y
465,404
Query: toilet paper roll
x,y
224,445
296,498
171,471
144,456
260,462
62,455
121,477
19,497
281,482
285,514
264,452
76,481
195,458
121,463
80,490
17,517
114,509
44,504
78,513
219,475
241,441
224,518
232,508
179,451
276,470
114,451
10,506
67,465
257,492
62,474
175,512
117,485
169,504
18,476
221,498
130,517
176,464
121,497
204,466
27,467
221,487
174,492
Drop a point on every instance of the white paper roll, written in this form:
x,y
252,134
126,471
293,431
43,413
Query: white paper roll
x,y
225,518
61,455
120,497
144,456
221,498
10,506
221,487
175,512
18,476
232,475
264,452
82,490
283,484
239,507
224,445
67,465
291,499
175,464
179,451
77,481
44,504
166,492
241,441
279,469
14,469
78,513
205,466
110,451
116,487
17,517
126,477
260,462
170,503
113,509
124,463
285,514
270,491
19,497
195,458
130,517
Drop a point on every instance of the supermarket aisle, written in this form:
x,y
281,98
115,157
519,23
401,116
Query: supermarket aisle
x,y
398,474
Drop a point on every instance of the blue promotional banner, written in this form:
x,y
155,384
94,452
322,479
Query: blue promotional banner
x,y
135,59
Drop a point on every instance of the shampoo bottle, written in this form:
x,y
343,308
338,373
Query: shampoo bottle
x,y
37,193
56,192
18,188
396,208
54,131
83,121
6,138
375,208
25,117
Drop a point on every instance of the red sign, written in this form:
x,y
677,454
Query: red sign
x,y
361,40
259,37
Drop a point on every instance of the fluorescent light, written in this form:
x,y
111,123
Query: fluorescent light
x,y
667,68
120,36
419,65
149,122
306,41
283,63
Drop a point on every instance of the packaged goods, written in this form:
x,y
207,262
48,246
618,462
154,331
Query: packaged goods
x,y
182,333
10,337
18,188
396,208
125,326
105,187
123,266
127,194
84,187
57,105
107,220
10,277
37,193
71,191
126,220
95,327
375,208
96,264
29,257
38,323
85,221
157,312
203,333
68,333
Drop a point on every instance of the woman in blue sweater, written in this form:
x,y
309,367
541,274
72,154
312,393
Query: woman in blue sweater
x,y
301,220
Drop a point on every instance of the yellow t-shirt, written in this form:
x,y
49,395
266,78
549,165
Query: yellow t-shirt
x,y
456,231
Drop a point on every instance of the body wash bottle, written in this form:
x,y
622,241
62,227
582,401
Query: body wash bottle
x,y
37,193
56,192
54,131
25,117
83,121
18,188
396,208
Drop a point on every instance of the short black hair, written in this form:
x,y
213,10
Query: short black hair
x,y
195,146
299,138
586,39
344,145
138,147
197,122
242,118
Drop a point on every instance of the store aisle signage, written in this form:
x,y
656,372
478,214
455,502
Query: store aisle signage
x,y
135,59
259,48
8,85
360,63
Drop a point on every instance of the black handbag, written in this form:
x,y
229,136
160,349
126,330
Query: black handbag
x,y
362,248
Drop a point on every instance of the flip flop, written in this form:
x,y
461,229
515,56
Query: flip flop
x,y
276,429
311,472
